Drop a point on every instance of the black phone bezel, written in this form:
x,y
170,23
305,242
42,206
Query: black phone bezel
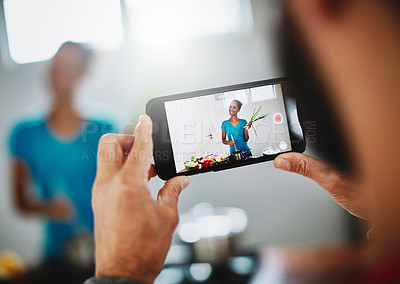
x,y
163,154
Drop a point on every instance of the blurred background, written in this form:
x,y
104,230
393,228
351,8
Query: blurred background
x,y
148,48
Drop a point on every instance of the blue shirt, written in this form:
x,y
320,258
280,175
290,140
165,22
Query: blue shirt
x,y
238,135
61,168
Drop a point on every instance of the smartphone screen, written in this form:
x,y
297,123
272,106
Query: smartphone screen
x,y
220,128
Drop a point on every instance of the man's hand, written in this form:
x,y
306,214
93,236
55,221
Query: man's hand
x,y
133,231
344,191
231,143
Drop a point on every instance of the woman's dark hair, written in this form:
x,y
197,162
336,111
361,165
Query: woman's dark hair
x,y
239,103
84,52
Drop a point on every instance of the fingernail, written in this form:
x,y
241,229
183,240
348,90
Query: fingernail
x,y
141,117
282,164
185,182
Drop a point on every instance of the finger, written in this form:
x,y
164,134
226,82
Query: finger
x,y
139,158
110,154
126,142
152,172
169,193
309,167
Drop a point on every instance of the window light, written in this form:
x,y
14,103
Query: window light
x,y
36,28
160,21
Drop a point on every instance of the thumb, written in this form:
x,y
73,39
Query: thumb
x,y
303,165
171,190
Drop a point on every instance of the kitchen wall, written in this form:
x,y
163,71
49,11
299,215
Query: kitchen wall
x,y
282,208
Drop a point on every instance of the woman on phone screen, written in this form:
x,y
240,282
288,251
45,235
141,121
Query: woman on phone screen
x,y
236,128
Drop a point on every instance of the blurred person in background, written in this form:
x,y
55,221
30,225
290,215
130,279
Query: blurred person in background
x,y
353,48
57,155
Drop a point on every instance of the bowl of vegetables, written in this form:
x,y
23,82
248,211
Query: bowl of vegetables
x,y
205,162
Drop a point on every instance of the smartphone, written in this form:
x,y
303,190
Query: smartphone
x,y
223,128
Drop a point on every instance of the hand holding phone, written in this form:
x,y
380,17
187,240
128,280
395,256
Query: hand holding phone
x,y
133,231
